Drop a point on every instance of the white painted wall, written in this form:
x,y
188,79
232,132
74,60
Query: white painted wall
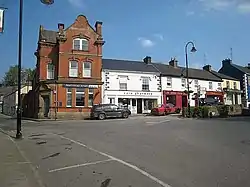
x,y
111,87
177,86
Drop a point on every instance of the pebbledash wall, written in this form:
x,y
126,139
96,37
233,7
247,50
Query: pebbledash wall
x,y
138,100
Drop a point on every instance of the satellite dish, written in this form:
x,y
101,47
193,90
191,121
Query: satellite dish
x,y
47,2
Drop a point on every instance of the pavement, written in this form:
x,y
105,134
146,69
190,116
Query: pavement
x,y
137,152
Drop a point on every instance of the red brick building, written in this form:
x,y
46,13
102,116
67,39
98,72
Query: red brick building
x,y
68,80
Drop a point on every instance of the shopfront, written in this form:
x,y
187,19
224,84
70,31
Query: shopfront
x,y
215,95
177,98
137,102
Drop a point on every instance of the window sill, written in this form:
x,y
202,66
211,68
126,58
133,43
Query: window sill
x,y
79,50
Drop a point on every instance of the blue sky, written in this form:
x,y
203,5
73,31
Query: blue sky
x,y
135,29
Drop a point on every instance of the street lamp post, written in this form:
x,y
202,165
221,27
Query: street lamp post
x,y
20,37
187,72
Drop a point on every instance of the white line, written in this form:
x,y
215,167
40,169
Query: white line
x,y
158,122
18,163
79,165
120,161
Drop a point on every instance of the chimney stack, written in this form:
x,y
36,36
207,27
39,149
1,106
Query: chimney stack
x,y
207,68
147,59
173,62
226,62
98,27
60,27
248,65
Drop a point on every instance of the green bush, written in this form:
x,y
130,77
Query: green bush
x,y
223,110
200,112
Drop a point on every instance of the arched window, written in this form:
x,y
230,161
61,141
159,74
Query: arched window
x,y
80,44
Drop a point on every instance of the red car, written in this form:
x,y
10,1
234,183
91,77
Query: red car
x,y
165,109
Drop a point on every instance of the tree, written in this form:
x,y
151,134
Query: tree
x,y
11,76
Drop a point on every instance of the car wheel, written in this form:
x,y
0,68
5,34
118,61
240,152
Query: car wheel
x,y
101,116
125,115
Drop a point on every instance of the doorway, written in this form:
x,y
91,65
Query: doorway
x,y
139,106
46,100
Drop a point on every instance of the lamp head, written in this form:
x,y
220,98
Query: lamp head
x,y
47,2
193,50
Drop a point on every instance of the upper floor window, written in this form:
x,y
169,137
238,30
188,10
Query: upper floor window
x,y
183,83
169,82
50,71
210,85
235,85
228,84
86,69
80,44
196,82
73,69
145,84
123,82
219,85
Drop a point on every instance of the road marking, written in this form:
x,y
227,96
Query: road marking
x,y
150,123
80,165
119,160
18,163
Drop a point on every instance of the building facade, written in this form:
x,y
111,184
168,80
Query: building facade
x,y
240,73
67,81
135,85
202,84
10,100
230,86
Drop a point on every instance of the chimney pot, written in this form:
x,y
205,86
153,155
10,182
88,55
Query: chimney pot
x,y
248,65
60,27
173,62
207,68
98,27
147,59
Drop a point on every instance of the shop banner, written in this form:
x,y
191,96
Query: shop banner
x,y
1,20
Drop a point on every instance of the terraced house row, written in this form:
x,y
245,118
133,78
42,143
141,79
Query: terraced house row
x,y
72,76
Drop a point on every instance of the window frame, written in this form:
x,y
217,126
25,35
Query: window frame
x,y
123,83
196,83
169,81
70,68
210,85
228,84
84,95
67,93
145,84
51,71
235,85
183,83
89,69
82,47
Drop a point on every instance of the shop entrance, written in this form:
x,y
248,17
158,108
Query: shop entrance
x,y
139,106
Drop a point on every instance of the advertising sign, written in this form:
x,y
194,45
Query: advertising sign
x,y
1,20
248,87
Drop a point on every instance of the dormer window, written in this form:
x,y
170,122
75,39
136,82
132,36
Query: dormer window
x,y
80,44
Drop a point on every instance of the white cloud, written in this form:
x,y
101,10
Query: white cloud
x,y
159,36
242,6
77,3
190,13
145,42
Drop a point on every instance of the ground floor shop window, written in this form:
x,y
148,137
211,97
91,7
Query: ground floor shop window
x,y
123,102
69,97
112,100
149,104
171,99
80,97
91,97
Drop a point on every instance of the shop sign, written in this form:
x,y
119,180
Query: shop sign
x,y
173,93
138,93
79,86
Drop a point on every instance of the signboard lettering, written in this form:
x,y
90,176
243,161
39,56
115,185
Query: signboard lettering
x,y
79,86
138,93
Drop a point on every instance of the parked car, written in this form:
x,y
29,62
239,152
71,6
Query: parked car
x,y
209,102
103,111
165,109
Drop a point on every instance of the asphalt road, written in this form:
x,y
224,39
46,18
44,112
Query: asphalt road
x,y
138,152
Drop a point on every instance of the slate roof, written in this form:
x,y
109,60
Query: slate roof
x,y
241,68
48,36
167,70
127,65
222,76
